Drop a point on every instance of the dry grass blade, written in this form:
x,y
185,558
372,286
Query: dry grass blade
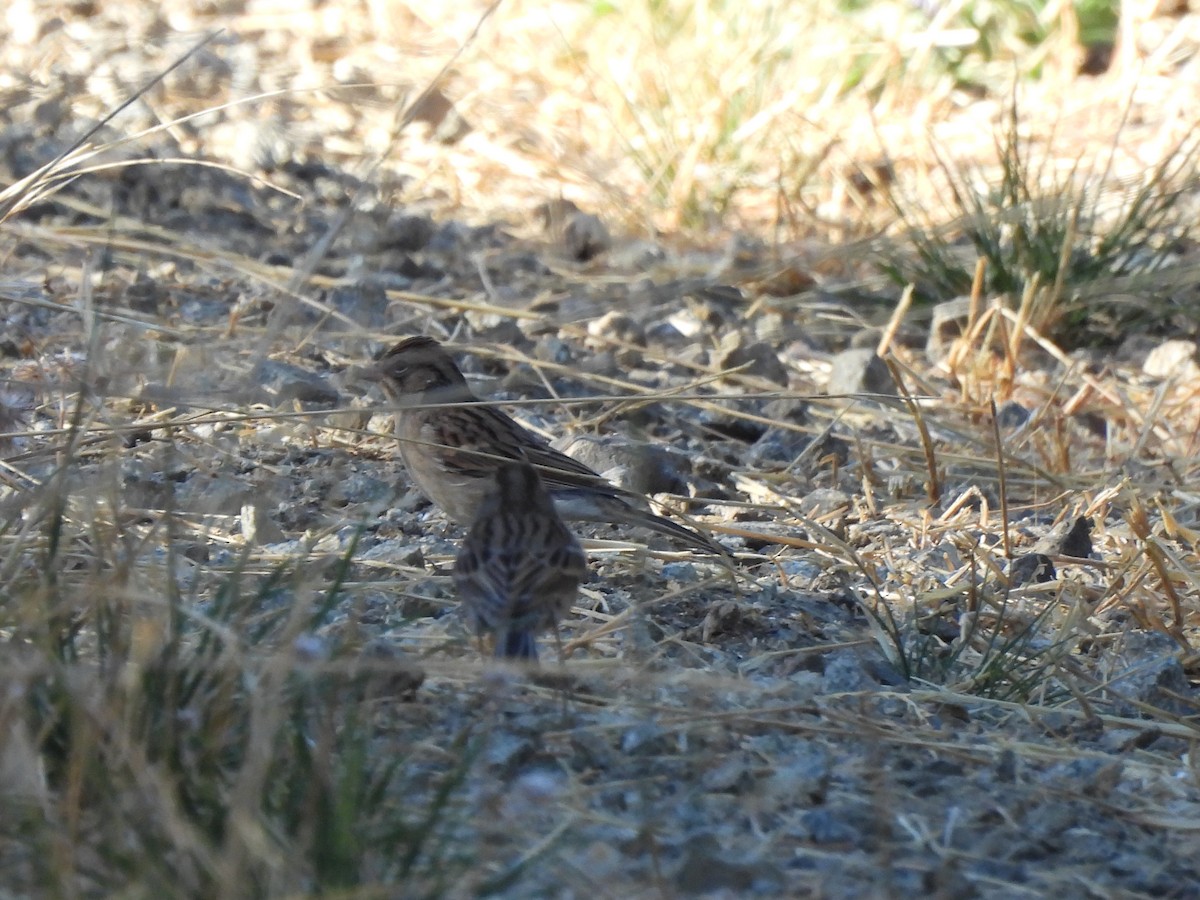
x,y
933,488
1140,525
1002,475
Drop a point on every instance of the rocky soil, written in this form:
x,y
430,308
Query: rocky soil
x,y
874,702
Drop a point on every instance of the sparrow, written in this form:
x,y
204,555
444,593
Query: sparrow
x,y
519,568
453,452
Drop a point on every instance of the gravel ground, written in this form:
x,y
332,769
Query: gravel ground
x,y
863,708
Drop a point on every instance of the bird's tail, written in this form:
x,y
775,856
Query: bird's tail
x,y
677,532
517,644
683,534
576,504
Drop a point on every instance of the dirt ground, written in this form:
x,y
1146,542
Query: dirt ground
x,y
865,707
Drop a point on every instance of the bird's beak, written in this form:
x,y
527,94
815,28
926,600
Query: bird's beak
x,y
361,377
363,373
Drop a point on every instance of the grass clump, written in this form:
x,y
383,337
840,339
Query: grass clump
x,y
213,741
985,643
1077,248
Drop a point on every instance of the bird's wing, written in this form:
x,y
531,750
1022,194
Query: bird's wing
x,y
478,439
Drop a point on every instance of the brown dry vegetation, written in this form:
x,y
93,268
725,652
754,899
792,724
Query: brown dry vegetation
x,y
230,660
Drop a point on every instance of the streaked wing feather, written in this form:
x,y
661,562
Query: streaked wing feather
x,y
468,450
486,436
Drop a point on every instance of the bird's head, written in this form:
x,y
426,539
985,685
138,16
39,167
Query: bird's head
x,y
418,367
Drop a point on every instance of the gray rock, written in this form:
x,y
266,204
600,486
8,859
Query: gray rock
x,y
399,552
1147,669
728,774
365,303
357,487
777,445
759,358
781,444
619,326
1031,567
799,570
706,869
282,382
645,738
850,671
1012,415
802,776
844,673
584,237
635,466
213,494
826,826
667,334
406,232
859,370
1172,359
258,527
